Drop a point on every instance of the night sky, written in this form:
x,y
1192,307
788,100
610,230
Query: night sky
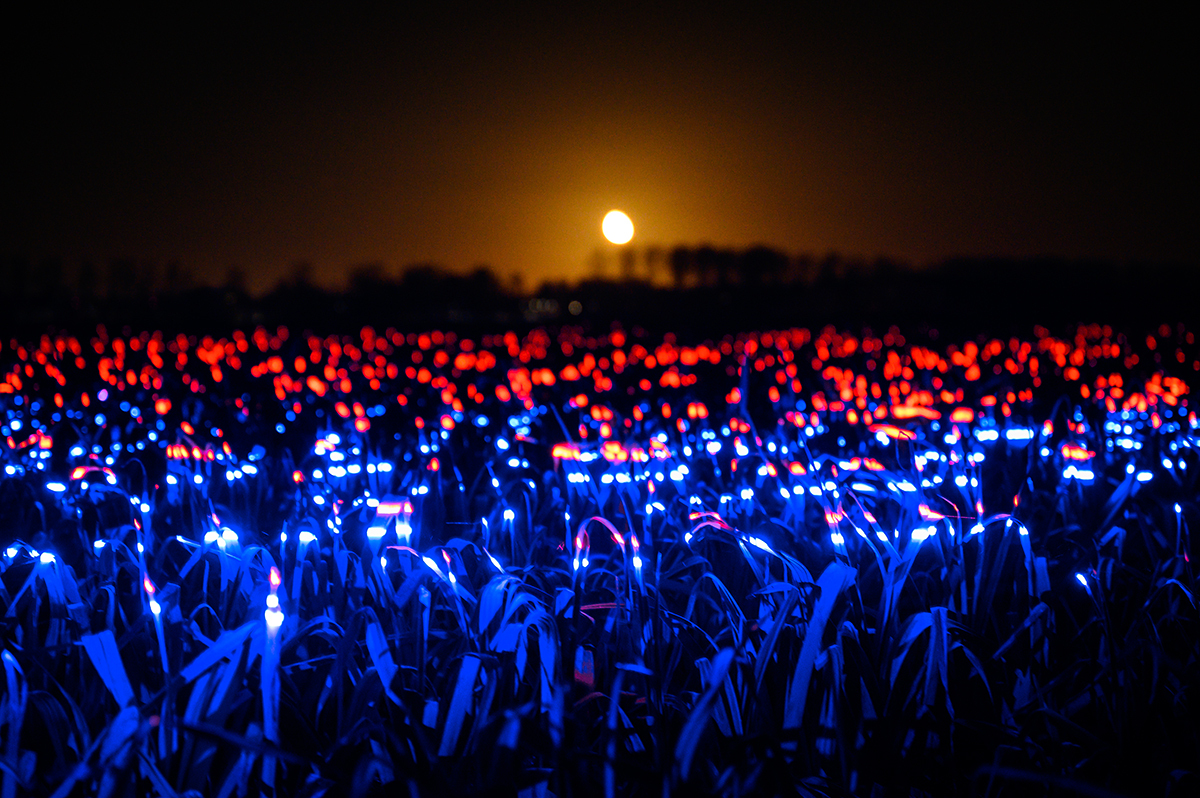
x,y
501,137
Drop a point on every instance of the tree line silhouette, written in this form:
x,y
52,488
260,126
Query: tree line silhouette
x,y
683,287
705,266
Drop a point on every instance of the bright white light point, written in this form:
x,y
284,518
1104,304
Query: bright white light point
x,y
617,227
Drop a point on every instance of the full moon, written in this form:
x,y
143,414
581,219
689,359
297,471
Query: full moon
x,y
617,227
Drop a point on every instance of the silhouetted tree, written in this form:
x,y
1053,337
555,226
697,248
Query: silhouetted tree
x,y
726,266
706,265
178,278
235,280
483,281
759,265
628,259
654,258
830,267
367,277
682,265
480,290
300,274
804,268
420,280
597,264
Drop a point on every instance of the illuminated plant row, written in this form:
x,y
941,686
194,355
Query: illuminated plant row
x,y
763,562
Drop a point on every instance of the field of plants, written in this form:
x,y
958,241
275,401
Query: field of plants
x,y
556,563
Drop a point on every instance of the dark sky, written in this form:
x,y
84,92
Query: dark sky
x,y
503,136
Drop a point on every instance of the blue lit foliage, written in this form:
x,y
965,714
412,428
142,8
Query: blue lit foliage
x,y
775,562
